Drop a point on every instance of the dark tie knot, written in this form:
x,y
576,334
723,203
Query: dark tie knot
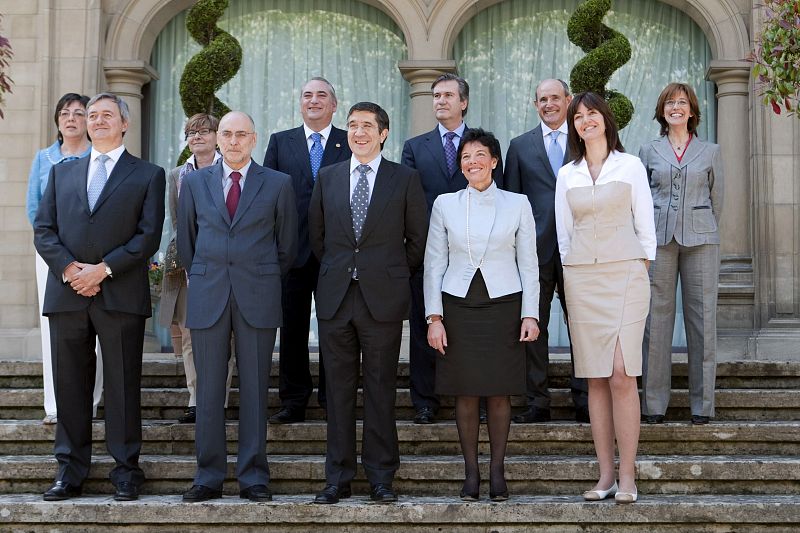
x,y
450,135
316,137
236,176
363,169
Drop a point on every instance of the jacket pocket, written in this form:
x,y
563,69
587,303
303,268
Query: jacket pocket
x,y
265,269
198,269
703,220
400,271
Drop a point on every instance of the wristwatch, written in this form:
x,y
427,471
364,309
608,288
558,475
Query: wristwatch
x,y
432,318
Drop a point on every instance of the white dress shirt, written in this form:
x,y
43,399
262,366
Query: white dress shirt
x,y
562,139
354,174
459,131
111,162
324,133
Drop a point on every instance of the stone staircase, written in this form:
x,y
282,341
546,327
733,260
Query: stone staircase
x,y
739,473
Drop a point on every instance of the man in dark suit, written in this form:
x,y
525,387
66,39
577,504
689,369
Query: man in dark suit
x,y
367,226
98,224
433,154
237,234
532,163
301,152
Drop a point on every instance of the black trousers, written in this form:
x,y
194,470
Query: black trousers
x,y
294,383
72,341
551,279
349,340
422,357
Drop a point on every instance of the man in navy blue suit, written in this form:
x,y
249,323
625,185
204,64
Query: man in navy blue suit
x,y
301,152
433,154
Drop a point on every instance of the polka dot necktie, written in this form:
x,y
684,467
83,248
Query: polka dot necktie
x,y
99,179
316,154
360,200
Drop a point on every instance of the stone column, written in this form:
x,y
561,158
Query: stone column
x,y
126,79
420,74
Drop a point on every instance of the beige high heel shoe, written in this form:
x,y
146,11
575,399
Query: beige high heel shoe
x,y
626,497
597,495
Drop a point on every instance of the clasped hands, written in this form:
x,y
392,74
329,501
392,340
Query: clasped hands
x,y
85,278
437,336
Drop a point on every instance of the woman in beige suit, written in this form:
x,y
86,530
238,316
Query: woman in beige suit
x,y
604,222
686,181
481,285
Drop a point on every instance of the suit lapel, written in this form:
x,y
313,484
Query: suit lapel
x,y
540,150
214,184
121,171
694,149
79,177
663,148
340,189
252,184
384,187
299,145
434,145
334,147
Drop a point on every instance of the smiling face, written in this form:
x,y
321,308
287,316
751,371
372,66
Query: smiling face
x,y
317,104
364,135
677,110
551,103
477,164
106,125
72,121
448,107
589,124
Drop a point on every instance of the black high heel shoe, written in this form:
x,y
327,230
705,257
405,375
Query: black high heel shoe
x,y
498,496
468,496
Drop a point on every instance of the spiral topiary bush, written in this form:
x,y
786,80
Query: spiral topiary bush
x,y
606,51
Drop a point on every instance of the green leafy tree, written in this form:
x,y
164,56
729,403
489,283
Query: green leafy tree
x,y
5,62
606,51
777,56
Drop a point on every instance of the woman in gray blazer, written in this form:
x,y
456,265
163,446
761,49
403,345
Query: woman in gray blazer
x,y
481,283
686,181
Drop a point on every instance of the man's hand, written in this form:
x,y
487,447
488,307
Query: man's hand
x,y
87,280
529,331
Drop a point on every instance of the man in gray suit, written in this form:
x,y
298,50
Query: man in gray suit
x,y
237,234
532,164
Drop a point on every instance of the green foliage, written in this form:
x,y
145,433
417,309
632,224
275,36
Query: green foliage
x,y
606,51
213,66
777,56
5,62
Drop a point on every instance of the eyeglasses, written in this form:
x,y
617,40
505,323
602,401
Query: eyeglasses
x,y
676,103
240,135
203,132
77,113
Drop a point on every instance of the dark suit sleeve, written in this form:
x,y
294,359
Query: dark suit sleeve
x,y
497,173
187,225
145,241
408,155
45,227
286,226
416,222
271,156
512,181
316,218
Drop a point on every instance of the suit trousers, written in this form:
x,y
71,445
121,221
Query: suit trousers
x,y
254,356
422,357
47,360
698,268
295,385
551,279
350,337
72,337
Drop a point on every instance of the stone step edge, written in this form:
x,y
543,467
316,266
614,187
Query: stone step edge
x,y
298,509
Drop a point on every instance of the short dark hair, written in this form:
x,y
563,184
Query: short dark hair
x,y
480,136
670,91
463,87
381,117
592,101
65,101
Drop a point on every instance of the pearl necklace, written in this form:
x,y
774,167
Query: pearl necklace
x,y
469,244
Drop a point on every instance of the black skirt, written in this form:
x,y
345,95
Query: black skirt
x,y
484,356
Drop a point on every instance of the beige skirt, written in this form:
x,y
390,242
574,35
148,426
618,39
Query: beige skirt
x,y
606,302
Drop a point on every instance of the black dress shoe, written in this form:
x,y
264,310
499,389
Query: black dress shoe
x,y
425,415
332,494
62,490
381,493
288,416
653,419
189,416
201,493
582,415
533,415
256,493
127,491
698,420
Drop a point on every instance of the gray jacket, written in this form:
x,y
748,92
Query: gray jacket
x,y
687,196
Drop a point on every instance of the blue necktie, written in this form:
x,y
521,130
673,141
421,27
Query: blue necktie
x,y
555,154
360,200
450,152
316,154
99,179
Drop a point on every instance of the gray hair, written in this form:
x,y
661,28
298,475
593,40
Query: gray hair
x,y
559,80
323,80
121,104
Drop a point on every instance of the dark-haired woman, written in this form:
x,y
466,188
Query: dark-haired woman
x,y
686,182
72,143
481,285
604,221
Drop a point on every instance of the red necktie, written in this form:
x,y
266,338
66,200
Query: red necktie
x,y
232,201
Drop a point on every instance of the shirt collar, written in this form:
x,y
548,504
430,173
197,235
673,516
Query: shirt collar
x,y
193,161
114,154
561,129
226,170
374,164
611,161
459,131
325,132
55,156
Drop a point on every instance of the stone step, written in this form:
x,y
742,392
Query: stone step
x,y
169,403
443,474
554,438
413,514
160,370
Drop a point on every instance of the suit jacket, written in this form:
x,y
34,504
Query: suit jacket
x,y
504,238
426,154
391,247
687,195
528,171
246,255
287,152
124,230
